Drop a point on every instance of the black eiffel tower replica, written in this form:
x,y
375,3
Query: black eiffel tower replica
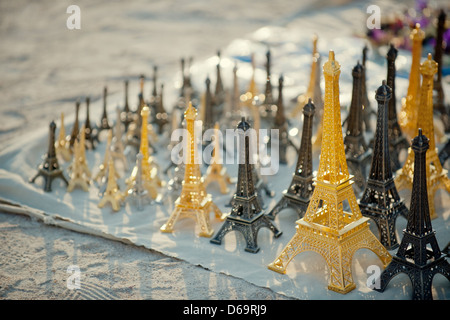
x,y
357,151
439,102
90,133
49,169
126,116
268,108
76,126
161,116
397,141
219,92
419,255
246,215
104,123
298,194
380,200
209,119
280,124
367,109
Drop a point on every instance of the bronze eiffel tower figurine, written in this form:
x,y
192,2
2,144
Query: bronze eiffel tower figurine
x,y
268,108
281,125
49,169
91,133
161,116
397,141
246,215
298,194
367,109
439,104
357,151
380,200
219,92
104,123
419,255
75,128
126,116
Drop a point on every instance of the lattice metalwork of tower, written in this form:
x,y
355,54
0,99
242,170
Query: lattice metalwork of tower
x,y
246,215
326,228
397,141
419,255
408,113
357,151
194,201
298,194
437,177
380,200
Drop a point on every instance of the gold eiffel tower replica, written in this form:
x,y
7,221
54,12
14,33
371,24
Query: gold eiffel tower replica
x,y
150,180
409,109
436,176
216,172
326,228
313,92
194,201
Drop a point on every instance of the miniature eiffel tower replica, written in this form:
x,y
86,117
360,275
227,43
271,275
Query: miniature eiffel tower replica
x,y
299,193
367,109
409,110
126,116
153,100
216,172
357,152
380,200
112,193
397,141
313,92
117,146
268,108
78,176
103,167
436,175
326,228
280,124
150,178
246,215
419,255
207,107
194,201
439,104
90,133
219,92
161,116
137,192
233,112
62,144
104,123
49,169
75,128
252,91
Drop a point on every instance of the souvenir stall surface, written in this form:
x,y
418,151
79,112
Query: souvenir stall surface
x,y
112,168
